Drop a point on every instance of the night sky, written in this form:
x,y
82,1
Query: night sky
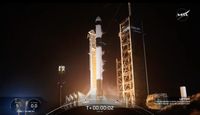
x,y
37,37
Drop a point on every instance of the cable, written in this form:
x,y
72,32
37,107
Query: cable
x,y
112,19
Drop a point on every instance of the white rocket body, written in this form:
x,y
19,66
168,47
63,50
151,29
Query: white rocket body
x,y
99,54
98,28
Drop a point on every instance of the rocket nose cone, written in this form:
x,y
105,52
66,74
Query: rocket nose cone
x,y
98,19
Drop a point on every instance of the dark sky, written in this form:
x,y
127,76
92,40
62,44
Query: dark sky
x,y
37,37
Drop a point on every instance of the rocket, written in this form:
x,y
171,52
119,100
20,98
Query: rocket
x,y
96,61
99,54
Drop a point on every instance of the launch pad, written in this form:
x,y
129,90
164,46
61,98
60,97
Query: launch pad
x,y
95,95
126,97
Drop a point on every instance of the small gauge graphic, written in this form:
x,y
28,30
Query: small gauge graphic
x,y
33,105
18,105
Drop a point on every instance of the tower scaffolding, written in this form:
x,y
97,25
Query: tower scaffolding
x,y
119,79
126,82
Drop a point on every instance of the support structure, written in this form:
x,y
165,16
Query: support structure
x,y
126,82
119,79
132,83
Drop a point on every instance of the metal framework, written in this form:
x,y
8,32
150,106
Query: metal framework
x,y
126,83
119,78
